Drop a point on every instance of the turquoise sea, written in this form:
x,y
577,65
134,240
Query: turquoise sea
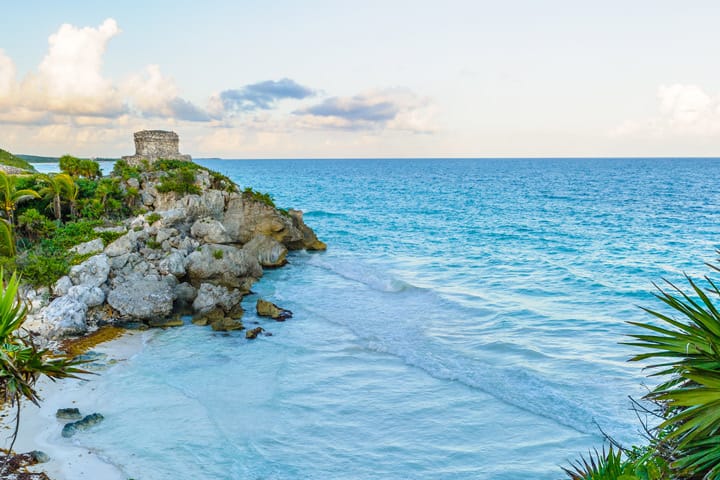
x,y
463,324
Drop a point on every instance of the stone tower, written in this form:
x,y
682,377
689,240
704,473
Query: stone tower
x,y
153,145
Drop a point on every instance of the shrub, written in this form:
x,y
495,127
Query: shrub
x,y
123,170
265,198
152,218
155,245
34,224
218,254
181,180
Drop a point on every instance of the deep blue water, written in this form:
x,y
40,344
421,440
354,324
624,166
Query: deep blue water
x,y
463,324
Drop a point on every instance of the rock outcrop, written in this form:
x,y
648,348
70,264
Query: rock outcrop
x,y
196,254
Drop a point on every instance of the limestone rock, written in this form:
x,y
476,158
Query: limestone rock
x,y
128,243
208,230
268,309
173,264
62,286
92,272
90,296
269,252
212,296
93,246
144,299
231,267
227,324
65,316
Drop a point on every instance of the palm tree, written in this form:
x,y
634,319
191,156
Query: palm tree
x,y
10,196
21,362
57,186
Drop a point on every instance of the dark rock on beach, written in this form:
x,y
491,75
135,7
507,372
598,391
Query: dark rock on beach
x,y
90,420
68,414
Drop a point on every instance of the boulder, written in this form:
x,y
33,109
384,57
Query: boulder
x,y
90,420
90,296
165,234
65,316
128,243
252,334
211,296
93,272
245,217
210,203
142,299
62,286
308,240
208,230
68,414
223,265
172,217
93,246
173,264
269,252
226,324
268,309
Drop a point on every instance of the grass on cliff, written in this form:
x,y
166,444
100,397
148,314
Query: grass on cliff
x,y
7,158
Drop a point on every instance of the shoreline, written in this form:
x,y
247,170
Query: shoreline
x,y
41,430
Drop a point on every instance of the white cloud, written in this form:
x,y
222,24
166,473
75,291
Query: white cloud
x,y
683,110
7,75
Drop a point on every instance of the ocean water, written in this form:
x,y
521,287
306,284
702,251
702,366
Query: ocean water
x,y
463,324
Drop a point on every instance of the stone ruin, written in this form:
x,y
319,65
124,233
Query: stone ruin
x,y
153,145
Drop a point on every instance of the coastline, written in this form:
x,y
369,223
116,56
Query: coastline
x,y
41,430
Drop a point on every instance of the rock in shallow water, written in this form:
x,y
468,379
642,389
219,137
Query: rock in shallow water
x,y
68,414
268,309
252,334
71,428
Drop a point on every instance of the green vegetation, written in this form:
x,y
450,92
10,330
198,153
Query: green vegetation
x,y
7,158
181,180
79,167
153,244
218,254
123,170
265,198
46,215
21,362
684,343
152,218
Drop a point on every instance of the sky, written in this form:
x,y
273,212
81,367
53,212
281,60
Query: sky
x,y
356,79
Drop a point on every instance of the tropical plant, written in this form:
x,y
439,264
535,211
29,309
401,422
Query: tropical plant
x,y
602,466
22,363
10,196
688,356
34,224
7,238
78,167
56,187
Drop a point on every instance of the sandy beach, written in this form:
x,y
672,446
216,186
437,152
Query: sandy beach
x,y
41,430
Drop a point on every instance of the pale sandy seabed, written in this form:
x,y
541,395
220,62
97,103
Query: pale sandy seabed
x,y
41,430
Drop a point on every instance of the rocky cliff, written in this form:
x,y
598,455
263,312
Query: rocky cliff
x,y
196,253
